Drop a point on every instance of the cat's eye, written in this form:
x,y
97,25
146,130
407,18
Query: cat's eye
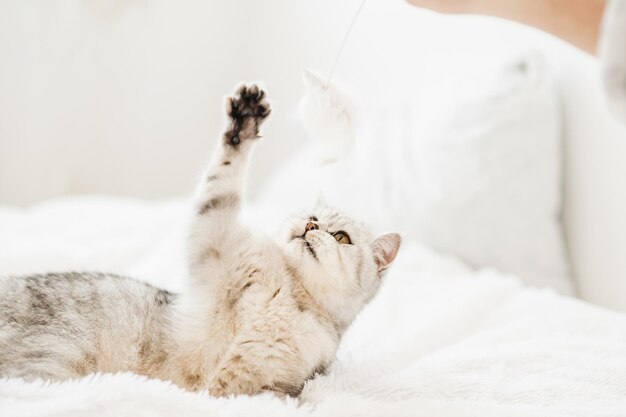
x,y
342,237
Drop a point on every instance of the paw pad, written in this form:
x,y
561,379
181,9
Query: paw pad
x,y
249,101
247,109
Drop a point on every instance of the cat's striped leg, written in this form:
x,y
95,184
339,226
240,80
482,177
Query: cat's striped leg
x,y
216,227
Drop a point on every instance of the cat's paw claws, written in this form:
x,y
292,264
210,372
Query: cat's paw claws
x,y
249,101
247,110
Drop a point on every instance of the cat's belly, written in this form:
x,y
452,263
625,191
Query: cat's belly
x,y
267,341
58,326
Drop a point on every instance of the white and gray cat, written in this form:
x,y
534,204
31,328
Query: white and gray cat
x,y
259,314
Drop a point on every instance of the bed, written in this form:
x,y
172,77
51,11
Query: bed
x,y
505,299
440,339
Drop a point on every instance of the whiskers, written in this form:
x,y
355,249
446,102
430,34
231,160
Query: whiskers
x,y
312,245
315,241
316,244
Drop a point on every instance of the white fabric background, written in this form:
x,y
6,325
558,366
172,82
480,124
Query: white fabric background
x,y
470,168
612,50
124,97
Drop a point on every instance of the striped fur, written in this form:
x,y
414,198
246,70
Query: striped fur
x,y
258,314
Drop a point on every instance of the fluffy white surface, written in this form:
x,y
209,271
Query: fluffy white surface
x,y
439,340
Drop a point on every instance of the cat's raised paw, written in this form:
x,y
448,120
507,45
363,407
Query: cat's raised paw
x,y
247,110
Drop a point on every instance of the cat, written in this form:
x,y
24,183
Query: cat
x,y
258,315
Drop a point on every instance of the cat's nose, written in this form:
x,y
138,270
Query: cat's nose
x,y
311,226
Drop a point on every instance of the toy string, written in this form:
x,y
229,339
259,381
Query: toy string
x,y
343,42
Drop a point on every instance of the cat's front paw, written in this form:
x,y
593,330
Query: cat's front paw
x,y
247,110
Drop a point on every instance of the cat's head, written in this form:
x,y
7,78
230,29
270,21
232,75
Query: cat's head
x,y
340,263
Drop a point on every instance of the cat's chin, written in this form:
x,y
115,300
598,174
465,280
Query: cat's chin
x,y
298,250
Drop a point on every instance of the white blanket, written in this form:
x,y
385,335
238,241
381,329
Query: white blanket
x,y
439,339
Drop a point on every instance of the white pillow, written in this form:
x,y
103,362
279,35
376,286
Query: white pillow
x,y
471,167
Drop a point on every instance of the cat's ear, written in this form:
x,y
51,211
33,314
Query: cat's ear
x,y
321,201
385,249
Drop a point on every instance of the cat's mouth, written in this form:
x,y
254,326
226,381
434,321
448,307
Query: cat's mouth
x,y
306,245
